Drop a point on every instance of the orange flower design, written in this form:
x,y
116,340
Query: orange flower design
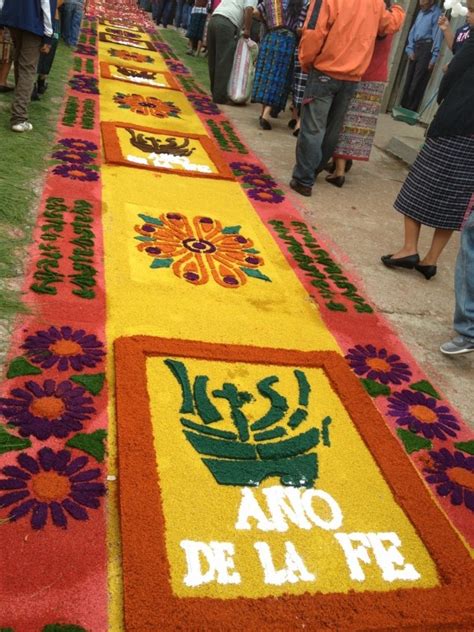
x,y
200,252
147,106
131,56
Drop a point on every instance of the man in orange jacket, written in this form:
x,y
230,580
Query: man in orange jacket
x,y
336,48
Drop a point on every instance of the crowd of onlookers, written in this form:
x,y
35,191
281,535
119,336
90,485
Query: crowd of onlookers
x,y
327,60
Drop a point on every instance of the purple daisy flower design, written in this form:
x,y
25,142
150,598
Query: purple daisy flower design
x,y
78,144
177,67
77,157
84,83
422,414
453,476
64,347
246,168
265,195
76,172
48,410
52,483
84,49
203,104
378,364
260,181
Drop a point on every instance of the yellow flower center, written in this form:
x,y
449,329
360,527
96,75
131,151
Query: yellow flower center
x,y
66,348
462,477
49,486
378,364
423,413
49,407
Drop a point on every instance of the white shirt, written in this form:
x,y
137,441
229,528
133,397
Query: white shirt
x,y
234,10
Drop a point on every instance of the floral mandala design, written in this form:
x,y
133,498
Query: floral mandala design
x,y
76,172
378,364
123,33
84,83
64,347
422,414
245,168
52,482
130,56
147,106
453,475
48,410
266,195
201,251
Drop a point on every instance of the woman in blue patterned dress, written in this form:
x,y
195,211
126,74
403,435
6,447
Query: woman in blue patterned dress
x,y
274,70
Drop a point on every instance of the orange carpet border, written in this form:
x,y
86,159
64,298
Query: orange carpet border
x,y
146,557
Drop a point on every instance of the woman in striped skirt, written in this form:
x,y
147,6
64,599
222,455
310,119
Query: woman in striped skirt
x,y
440,184
275,59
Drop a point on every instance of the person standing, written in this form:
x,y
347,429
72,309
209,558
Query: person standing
x,y
71,18
6,59
440,184
423,47
227,22
464,292
275,61
358,130
336,48
454,40
30,25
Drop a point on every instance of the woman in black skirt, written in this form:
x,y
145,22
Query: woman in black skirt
x,y
440,184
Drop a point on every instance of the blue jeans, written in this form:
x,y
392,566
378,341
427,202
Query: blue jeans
x,y
464,283
324,106
186,15
71,18
179,12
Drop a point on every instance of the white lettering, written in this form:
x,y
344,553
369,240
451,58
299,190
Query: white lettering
x,y
249,508
353,555
329,525
219,559
294,571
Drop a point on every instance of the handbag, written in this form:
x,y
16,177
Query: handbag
x,y
243,71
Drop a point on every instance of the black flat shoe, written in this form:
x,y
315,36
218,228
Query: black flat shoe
x,y
264,124
300,188
337,181
296,133
408,263
427,271
292,123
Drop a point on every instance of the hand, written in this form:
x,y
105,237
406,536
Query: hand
x,y
443,23
411,56
45,48
246,33
445,68
431,66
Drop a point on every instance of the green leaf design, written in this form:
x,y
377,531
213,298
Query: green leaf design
x,y
256,274
412,442
465,446
150,220
92,443
92,382
374,389
21,366
425,387
231,230
161,263
10,443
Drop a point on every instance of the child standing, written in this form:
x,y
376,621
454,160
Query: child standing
x,y
196,26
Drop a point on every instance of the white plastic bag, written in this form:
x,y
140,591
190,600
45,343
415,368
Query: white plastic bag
x,y
243,71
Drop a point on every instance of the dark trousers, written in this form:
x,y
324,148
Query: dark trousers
x,y
221,44
418,76
26,56
164,12
324,106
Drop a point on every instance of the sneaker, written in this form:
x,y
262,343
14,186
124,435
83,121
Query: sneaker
x,y
457,345
24,126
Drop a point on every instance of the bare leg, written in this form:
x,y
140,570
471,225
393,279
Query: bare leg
x,y
340,167
266,109
412,234
4,70
440,239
